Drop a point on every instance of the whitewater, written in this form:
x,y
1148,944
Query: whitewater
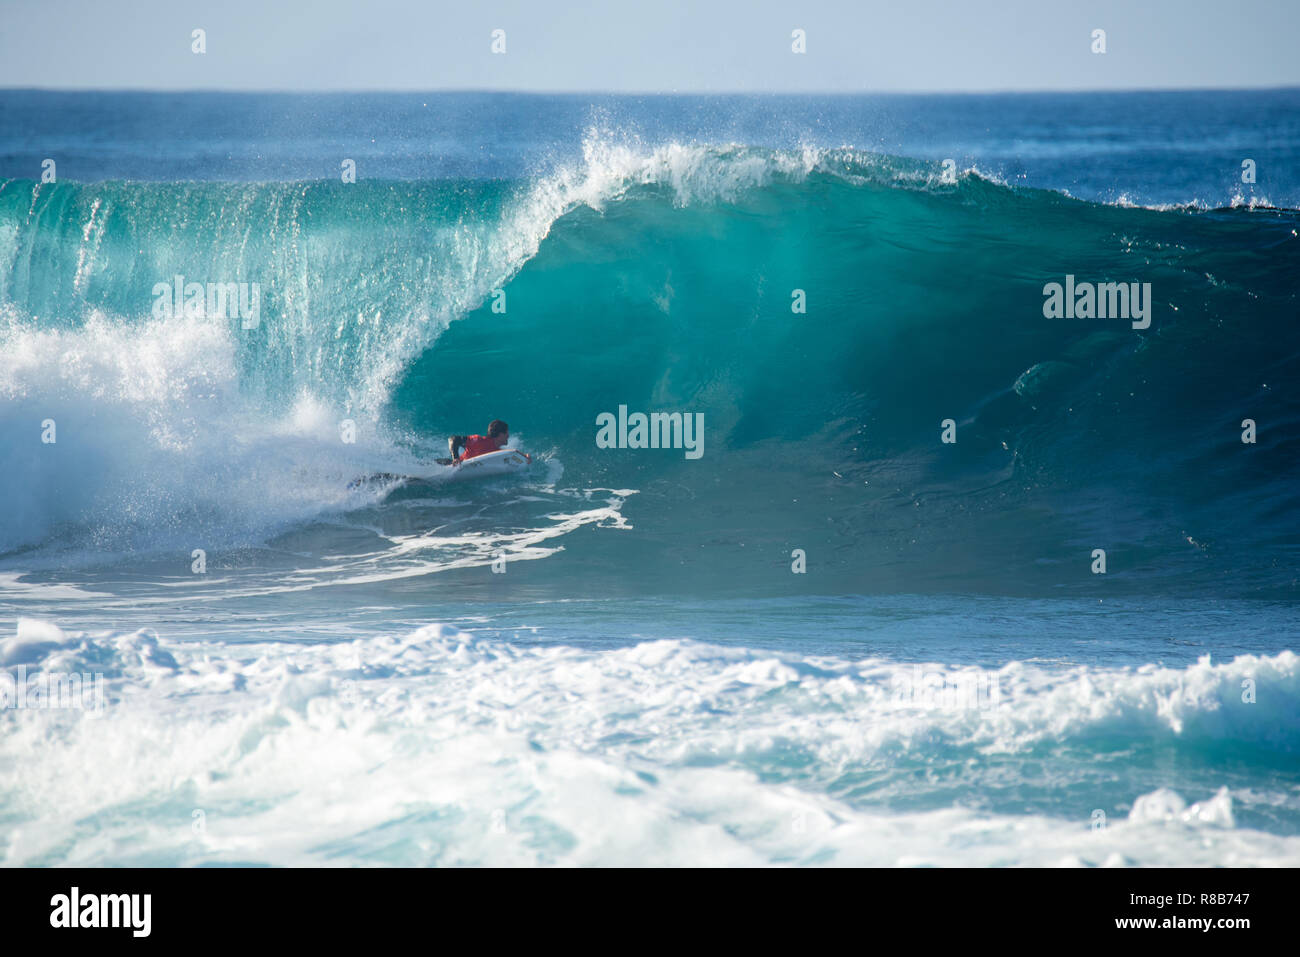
x,y
831,639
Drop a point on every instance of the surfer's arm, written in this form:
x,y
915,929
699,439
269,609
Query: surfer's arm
x,y
454,445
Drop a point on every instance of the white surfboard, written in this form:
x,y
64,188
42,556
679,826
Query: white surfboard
x,y
481,466
504,462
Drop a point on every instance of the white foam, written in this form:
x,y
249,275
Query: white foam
x,y
156,446
1166,805
436,747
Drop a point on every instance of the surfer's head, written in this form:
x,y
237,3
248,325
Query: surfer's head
x,y
500,431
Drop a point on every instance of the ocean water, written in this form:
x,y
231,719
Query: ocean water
x,y
829,639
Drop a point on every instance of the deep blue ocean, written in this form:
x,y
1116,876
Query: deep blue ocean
x,y
952,581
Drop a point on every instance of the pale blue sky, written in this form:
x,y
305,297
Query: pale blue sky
x,y
650,45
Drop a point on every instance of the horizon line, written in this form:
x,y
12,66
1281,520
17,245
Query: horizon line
x,y
414,91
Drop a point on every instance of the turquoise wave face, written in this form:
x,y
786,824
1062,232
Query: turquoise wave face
x,y
826,313
823,429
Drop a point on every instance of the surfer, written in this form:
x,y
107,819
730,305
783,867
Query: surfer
x,y
463,448
498,434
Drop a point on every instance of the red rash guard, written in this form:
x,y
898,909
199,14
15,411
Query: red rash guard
x,y
478,445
